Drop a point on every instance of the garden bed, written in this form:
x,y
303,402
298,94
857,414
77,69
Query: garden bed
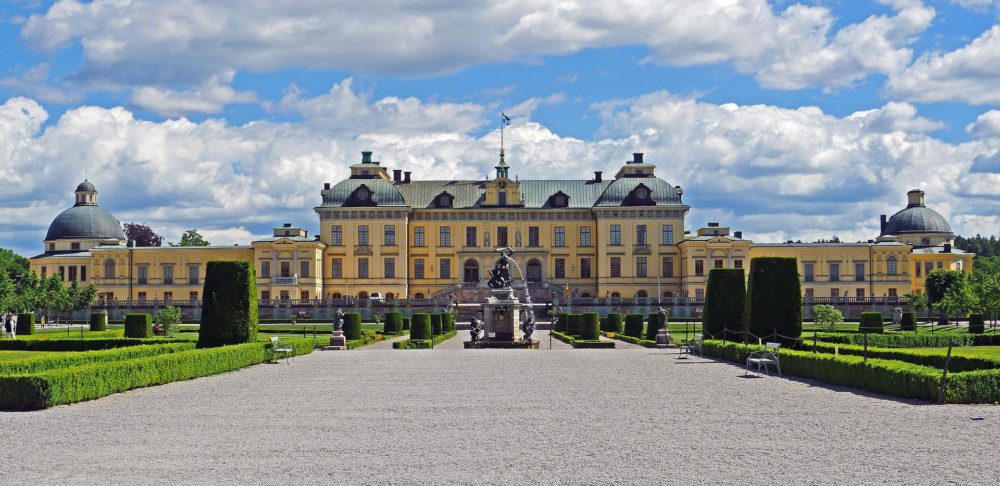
x,y
582,344
423,343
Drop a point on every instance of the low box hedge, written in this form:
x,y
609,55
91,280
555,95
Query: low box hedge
x,y
99,321
138,326
638,341
26,324
423,343
932,357
67,359
78,344
580,343
86,382
896,339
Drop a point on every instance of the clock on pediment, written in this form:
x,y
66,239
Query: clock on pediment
x,y
502,185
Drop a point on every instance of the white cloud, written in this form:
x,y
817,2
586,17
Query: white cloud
x,y
895,117
966,74
35,83
986,125
211,97
154,43
977,5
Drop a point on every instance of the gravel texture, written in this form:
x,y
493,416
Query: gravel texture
x,y
499,417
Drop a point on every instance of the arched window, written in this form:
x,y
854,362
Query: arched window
x,y
616,295
362,295
109,268
668,294
641,294
335,295
418,295
585,295
390,296
471,274
534,271
890,264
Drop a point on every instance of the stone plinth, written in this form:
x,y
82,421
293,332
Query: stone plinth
x,y
662,338
501,315
337,341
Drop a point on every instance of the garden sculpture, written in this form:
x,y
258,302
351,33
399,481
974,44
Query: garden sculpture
x,y
338,321
528,327
475,330
663,317
500,277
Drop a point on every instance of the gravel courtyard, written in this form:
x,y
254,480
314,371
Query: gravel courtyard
x,y
499,417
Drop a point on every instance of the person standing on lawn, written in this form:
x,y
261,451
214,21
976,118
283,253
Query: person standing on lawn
x,y
7,325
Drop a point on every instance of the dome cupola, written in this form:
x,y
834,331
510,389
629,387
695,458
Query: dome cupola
x,y
85,220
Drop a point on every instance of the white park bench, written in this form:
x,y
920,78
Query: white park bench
x,y
762,358
280,350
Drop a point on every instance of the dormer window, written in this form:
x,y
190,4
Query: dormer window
x,y
559,200
444,200
362,196
640,196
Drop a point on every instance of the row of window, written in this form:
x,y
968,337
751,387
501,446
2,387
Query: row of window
x,y
928,266
533,268
809,270
699,265
69,273
284,269
142,273
168,297
472,236
858,292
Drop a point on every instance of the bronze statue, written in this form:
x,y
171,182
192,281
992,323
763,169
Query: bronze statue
x,y
338,320
528,327
500,277
475,330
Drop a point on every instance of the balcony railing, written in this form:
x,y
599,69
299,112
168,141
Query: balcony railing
x,y
293,280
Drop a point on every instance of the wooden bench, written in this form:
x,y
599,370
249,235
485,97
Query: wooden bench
x,y
763,358
281,350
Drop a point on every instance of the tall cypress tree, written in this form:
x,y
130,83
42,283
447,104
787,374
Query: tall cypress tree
x,y
229,306
774,298
725,300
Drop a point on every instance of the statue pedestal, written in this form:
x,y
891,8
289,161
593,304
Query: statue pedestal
x,y
337,341
502,316
662,338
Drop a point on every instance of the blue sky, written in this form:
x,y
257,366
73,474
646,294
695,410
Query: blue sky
x,y
783,119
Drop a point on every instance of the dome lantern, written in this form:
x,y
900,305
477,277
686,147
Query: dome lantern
x,y
86,194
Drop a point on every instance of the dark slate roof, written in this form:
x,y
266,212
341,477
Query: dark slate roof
x,y
662,192
85,222
916,219
86,186
384,192
421,194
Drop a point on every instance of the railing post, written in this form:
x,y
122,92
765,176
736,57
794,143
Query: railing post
x,y
944,375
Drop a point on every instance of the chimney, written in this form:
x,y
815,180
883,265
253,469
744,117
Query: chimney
x,y
637,157
366,157
326,186
947,248
396,175
713,225
597,176
882,224
914,197
738,235
406,177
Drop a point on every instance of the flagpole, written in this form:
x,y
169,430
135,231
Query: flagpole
x,y
503,122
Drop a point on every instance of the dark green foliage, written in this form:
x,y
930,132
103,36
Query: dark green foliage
x,y
934,358
580,343
573,329
393,323
590,326
67,359
774,298
406,323
138,326
615,323
99,321
420,326
562,323
653,325
448,322
908,322
435,324
641,342
871,322
633,325
352,326
976,324
725,301
229,308
77,344
26,324
898,339
423,343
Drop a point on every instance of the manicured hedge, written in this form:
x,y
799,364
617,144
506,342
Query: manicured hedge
x,y
580,343
562,323
421,326
393,323
435,324
138,326
976,324
590,326
448,322
25,324
653,324
422,343
774,298
908,322
77,344
66,359
575,322
229,308
86,382
900,339
871,322
633,325
973,387
933,357
641,342
406,323
99,321
615,323
725,301
352,326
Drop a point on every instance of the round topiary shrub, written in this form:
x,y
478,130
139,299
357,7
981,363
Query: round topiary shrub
x,y
393,323
26,323
976,324
633,325
447,322
352,326
908,322
590,326
562,322
616,322
436,324
420,326
99,321
871,322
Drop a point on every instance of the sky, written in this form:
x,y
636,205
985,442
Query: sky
x,y
783,119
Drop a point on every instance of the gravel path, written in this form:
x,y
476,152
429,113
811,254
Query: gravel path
x,y
500,417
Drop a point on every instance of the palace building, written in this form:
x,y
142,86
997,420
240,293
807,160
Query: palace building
x,y
393,236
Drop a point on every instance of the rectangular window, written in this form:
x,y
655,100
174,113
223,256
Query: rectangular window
x,y
418,268
585,236
808,272
834,272
142,297
283,295
62,273
72,273
265,295
418,236
560,236
362,268
363,235
390,267
337,268
892,293
265,268
445,267
810,295
502,198
918,267
640,234
737,263
304,269
616,267
470,236
337,235
859,293
641,266
668,267
502,236
699,294
193,297
74,246
584,268
560,268
194,274
44,269
168,297
891,265
83,274
305,295
142,274
445,236
390,235
168,274
834,293
717,263
533,236
616,235
668,235
940,264
285,268
859,272
928,266
699,268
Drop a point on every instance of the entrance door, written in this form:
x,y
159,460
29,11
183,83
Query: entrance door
x,y
471,272
534,271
